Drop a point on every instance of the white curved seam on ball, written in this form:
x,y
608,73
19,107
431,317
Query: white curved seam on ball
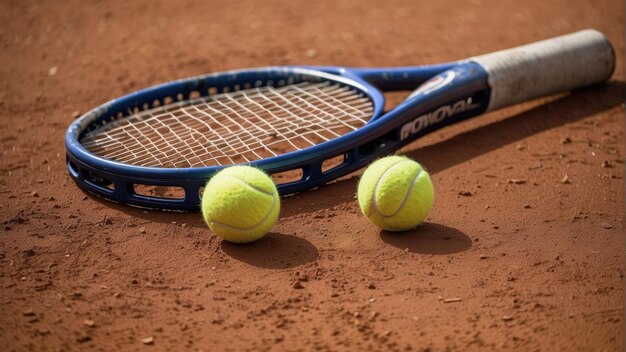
x,y
253,227
406,195
249,185
374,205
402,204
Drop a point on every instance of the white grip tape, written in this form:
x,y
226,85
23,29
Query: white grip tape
x,y
550,66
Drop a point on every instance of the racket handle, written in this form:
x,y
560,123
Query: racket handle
x,y
550,66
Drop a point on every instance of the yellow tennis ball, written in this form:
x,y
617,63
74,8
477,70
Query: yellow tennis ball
x,y
240,204
395,193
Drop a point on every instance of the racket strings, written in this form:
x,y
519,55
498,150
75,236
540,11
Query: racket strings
x,y
230,128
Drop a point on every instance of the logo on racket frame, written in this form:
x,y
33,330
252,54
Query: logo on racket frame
x,y
435,117
434,83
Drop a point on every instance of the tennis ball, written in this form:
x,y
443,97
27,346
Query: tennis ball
x,y
240,204
395,193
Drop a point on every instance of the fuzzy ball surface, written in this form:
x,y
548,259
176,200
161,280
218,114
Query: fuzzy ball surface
x,y
240,204
395,193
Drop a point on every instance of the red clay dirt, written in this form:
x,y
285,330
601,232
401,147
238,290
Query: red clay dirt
x,y
522,251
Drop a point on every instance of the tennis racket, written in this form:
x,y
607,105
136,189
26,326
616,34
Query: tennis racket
x,y
322,122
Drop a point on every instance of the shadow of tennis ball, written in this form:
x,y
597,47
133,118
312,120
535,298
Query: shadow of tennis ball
x,y
274,251
428,238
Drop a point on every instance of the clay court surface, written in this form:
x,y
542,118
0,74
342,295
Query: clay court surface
x,y
523,249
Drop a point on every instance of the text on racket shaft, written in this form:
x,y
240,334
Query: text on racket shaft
x,y
436,116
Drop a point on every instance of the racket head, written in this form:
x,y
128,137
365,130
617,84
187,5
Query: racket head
x,y
379,134
116,180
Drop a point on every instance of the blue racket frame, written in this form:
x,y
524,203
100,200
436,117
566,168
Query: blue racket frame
x,y
382,135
